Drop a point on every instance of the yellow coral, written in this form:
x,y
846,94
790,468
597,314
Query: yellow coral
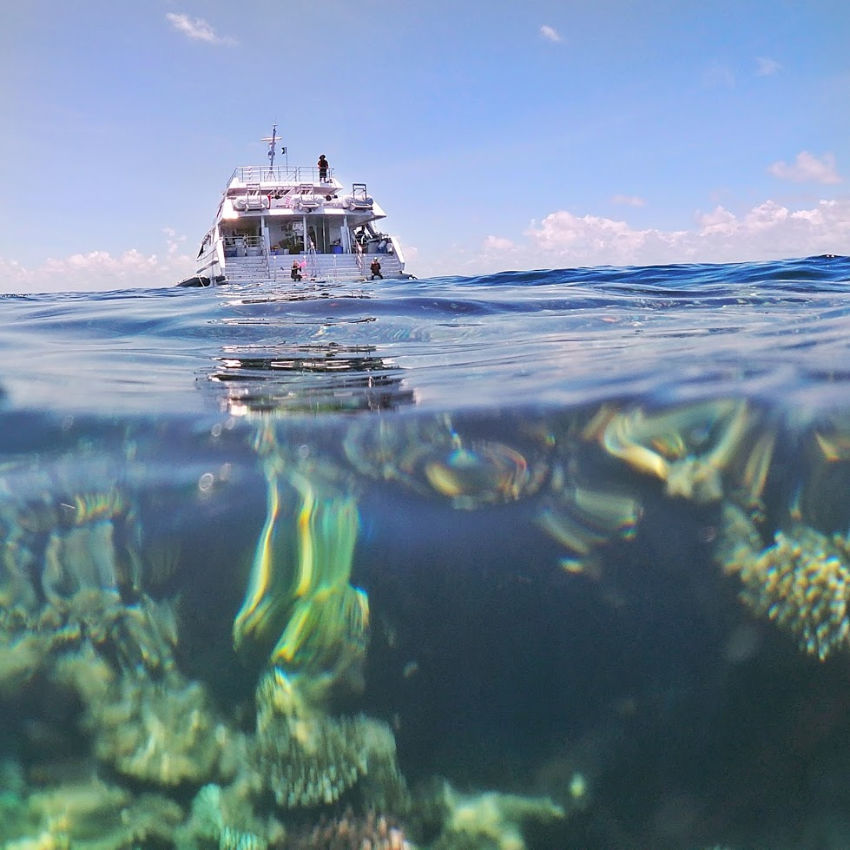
x,y
801,582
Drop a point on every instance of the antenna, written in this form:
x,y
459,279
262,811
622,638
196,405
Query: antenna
x,y
272,140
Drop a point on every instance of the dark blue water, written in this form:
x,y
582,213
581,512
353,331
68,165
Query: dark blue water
x,y
551,559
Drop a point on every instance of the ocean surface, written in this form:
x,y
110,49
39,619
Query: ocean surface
x,y
549,559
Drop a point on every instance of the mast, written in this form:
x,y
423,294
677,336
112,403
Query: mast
x,y
273,140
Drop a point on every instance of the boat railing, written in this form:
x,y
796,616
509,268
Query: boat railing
x,y
277,174
243,246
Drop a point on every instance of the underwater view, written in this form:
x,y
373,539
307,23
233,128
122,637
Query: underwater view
x,y
556,560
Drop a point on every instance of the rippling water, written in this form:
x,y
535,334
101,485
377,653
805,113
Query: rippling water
x,y
546,559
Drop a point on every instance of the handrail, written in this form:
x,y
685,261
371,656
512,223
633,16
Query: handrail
x,y
246,240
277,174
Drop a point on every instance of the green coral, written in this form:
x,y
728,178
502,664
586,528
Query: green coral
x,y
490,820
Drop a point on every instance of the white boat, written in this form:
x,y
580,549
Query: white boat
x,y
282,223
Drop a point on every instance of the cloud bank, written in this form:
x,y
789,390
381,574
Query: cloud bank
x,y
96,271
767,231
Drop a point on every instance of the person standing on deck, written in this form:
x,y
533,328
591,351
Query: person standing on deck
x,y
375,268
323,168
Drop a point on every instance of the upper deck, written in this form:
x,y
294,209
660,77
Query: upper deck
x,y
280,176
257,190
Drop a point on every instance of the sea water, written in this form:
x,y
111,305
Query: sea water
x,y
550,559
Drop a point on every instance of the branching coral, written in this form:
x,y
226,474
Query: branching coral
x,y
309,757
801,582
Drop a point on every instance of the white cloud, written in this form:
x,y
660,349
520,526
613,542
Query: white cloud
x,y
767,231
96,271
808,168
628,200
550,33
592,240
765,66
196,29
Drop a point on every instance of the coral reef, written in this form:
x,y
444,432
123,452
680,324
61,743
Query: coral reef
x,y
88,814
77,617
144,717
490,820
801,582
714,452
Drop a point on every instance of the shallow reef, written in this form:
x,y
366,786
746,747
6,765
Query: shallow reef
x,y
535,692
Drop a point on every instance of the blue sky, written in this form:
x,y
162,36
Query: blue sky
x,y
504,135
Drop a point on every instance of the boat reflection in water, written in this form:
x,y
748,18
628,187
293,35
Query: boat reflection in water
x,y
305,378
